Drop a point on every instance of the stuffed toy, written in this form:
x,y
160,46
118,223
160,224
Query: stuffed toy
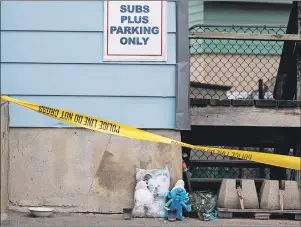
x,y
159,186
178,199
143,175
143,200
154,182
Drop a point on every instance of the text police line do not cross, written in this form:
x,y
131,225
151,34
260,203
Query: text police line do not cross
x,y
102,125
79,119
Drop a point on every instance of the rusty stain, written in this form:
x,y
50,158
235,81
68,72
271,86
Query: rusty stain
x,y
114,174
105,167
97,153
144,165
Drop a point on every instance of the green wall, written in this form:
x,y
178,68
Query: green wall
x,y
246,13
238,13
196,9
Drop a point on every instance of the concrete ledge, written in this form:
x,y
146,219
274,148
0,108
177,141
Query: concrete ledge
x,y
78,170
245,116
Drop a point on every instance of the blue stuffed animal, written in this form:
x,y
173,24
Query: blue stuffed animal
x,y
177,198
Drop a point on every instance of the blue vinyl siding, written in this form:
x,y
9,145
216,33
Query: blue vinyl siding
x,y
62,16
45,79
52,54
85,79
63,47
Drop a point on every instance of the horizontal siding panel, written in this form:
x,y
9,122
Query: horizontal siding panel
x,y
245,13
80,79
62,15
52,15
136,112
63,47
196,6
195,10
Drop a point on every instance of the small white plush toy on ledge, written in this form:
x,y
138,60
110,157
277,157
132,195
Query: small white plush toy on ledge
x,y
143,200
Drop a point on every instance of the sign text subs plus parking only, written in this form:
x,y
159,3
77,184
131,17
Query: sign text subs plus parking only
x,y
135,31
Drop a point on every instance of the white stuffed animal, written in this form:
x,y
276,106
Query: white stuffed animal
x,y
143,200
159,186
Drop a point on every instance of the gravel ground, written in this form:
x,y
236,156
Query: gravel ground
x,y
85,220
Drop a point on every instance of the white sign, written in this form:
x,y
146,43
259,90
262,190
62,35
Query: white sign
x,y
135,31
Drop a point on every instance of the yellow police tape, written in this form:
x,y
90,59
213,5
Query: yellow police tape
x,y
101,125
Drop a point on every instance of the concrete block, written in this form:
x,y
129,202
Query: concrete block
x,y
291,196
249,194
79,170
225,214
269,195
262,216
227,197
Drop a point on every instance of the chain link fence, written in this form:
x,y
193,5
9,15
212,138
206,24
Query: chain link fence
x,y
226,172
234,69
199,171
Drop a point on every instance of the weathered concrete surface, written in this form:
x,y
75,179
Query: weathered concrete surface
x,y
227,197
78,170
269,195
249,193
4,158
245,116
291,196
90,220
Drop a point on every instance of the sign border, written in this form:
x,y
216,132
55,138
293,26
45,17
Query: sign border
x,y
136,57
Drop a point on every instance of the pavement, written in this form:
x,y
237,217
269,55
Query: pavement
x,y
91,220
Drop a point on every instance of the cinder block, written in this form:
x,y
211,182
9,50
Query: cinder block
x,y
249,194
227,197
225,214
262,216
291,196
269,195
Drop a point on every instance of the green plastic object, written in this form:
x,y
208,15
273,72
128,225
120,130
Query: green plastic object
x,y
204,203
